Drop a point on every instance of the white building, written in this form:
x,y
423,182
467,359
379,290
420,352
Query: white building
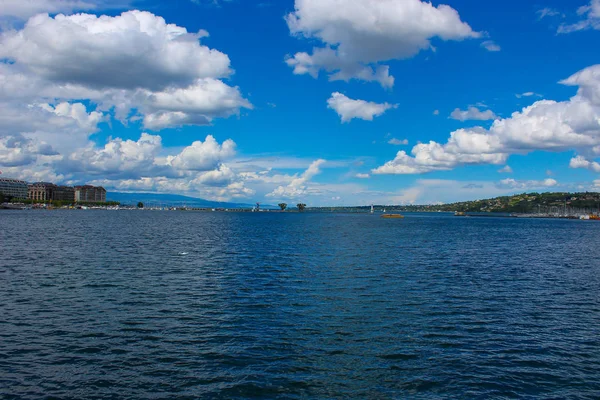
x,y
13,188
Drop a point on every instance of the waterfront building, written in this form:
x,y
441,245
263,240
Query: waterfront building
x,y
13,188
45,191
41,191
88,193
64,193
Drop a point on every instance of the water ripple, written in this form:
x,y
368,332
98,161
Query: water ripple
x,y
105,305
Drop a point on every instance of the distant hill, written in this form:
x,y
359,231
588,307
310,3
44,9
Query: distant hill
x,y
529,202
160,199
519,203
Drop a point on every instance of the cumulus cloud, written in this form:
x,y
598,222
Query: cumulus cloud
x,y
363,176
545,125
159,70
63,76
139,50
222,176
582,162
505,170
298,186
127,165
203,156
348,108
23,9
202,161
194,105
432,156
118,158
473,113
591,18
66,126
361,34
17,151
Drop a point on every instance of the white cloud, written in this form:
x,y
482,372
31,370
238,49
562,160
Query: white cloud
x,y
66,126
127,165
363,176
461,150
235,190
298,186
134,66
398,142
194,105
438,191
545,125
203,156
472,113
547,12
490,45
361,34
348,108
222,176
527,94
139,50
436,112
225,192
526,185
588,81
23,9
17,151
118,158
582,162
591,18
157,69
505,170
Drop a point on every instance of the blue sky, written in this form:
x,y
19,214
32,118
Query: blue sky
x,y
325,102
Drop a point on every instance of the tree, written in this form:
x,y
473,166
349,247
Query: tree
x,y
301,206
140,205
283,206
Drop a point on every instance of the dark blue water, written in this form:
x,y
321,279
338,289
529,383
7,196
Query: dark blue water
x,y
163,305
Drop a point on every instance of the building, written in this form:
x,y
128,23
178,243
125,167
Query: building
x,y
41,191
64,193
44,191
88,193
13,188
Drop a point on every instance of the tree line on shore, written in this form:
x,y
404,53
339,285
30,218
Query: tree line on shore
x,y
300,206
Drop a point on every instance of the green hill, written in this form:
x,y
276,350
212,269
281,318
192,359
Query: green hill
x,y
528,202
519,203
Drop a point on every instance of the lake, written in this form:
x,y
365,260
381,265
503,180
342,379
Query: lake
x,y
163,305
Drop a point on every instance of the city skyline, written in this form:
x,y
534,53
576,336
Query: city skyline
x,y
388,102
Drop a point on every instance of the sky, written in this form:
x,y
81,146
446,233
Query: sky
x,y
324,102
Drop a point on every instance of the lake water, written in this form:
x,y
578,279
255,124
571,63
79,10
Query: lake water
x,y
163,305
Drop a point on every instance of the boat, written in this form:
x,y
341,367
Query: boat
x,y
460,214
392,216
589,217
